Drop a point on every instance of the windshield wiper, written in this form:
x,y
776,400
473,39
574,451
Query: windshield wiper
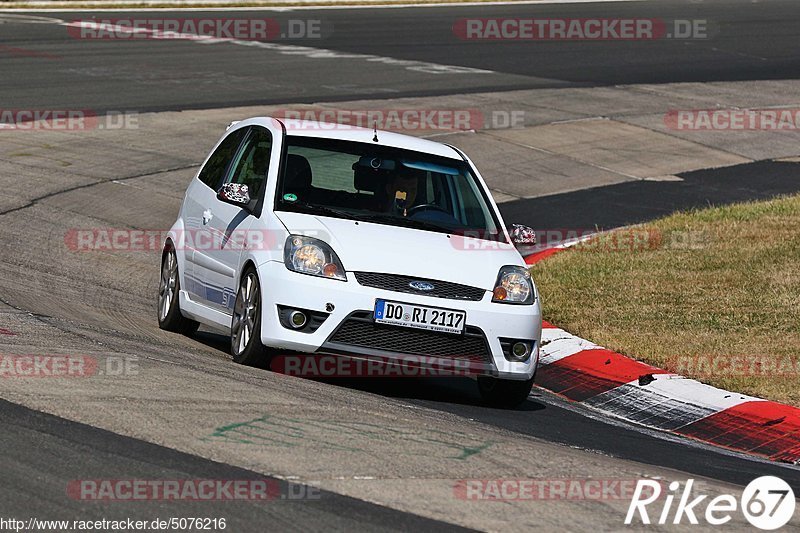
x,y
323,210
367,217
404,221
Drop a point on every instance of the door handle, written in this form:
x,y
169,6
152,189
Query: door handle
x,y
207,216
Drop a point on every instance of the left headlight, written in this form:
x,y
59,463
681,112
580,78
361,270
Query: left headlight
x,y
513,286
314,257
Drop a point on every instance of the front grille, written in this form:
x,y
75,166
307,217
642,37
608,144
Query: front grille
x,y
399,283
359,331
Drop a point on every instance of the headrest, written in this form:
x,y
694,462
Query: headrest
x,y
298,172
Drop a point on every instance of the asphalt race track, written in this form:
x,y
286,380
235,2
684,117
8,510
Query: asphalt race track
x,y
80,448
151,75
384,454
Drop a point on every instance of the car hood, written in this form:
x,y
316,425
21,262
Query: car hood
x,y
369,247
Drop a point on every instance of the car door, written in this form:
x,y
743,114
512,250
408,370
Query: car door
x,y
229,224
200,197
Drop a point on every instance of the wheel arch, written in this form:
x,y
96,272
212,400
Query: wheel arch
x,y
247,265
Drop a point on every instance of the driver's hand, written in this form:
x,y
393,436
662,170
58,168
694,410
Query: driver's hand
x,y
400,202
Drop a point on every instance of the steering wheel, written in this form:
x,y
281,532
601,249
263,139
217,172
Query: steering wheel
x,y
425,207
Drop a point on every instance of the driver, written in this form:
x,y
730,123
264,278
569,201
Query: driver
x,y
401,190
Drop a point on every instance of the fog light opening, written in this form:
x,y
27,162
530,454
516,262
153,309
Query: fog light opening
x,y
298,319
520,350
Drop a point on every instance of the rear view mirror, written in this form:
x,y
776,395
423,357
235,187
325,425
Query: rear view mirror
x,y
235,193
375,163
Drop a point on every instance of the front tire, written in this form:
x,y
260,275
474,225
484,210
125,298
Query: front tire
x,y
504,393
169,289
246,346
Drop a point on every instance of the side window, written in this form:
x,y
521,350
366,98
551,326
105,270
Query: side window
x,y
253,161
214,171
474,212
441,192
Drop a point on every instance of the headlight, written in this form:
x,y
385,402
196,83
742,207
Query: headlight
x,y
312,256
513,286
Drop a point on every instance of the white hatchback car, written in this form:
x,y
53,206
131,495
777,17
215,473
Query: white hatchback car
x,y
316,238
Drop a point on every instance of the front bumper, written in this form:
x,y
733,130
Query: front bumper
x,y
352,305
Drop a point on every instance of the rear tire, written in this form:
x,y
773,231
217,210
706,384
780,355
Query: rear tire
x,y
169,289
246,346
504,393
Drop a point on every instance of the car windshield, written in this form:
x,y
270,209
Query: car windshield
x,y
385,185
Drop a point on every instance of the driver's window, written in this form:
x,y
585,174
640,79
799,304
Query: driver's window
x,y
253,161
213,172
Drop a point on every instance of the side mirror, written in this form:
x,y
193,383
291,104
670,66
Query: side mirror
x,y
522,236
234,193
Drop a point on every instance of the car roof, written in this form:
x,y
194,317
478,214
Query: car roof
x,y
346,132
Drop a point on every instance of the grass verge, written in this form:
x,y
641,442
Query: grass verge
x,y
712,294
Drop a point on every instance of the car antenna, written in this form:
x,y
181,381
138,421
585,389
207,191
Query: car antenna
x,y
375,131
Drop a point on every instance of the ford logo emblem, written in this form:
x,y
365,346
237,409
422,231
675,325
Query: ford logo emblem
x,y
421,285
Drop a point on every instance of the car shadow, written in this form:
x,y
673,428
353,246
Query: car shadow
x,y
450,390
214,340
460,391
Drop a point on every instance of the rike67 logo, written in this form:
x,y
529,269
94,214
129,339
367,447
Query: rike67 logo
x,y
767,503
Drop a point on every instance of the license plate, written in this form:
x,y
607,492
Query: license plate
x,y
419,316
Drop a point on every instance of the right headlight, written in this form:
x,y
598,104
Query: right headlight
x,y
314,257
513,286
